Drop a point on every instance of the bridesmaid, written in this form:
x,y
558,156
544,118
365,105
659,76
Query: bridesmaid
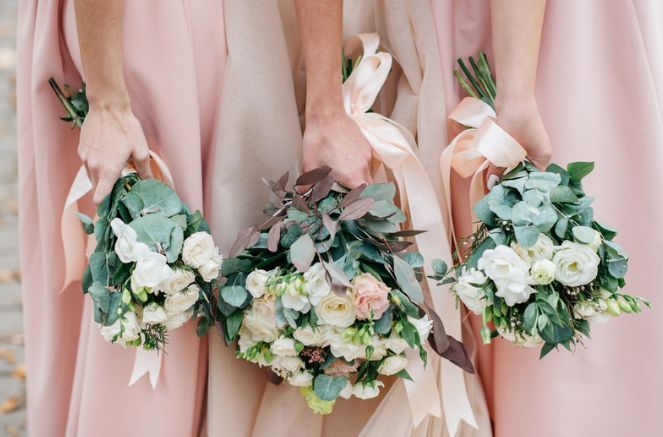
x,y
599,91
153,71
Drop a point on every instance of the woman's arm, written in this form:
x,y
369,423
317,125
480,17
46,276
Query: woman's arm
x,y
111,135
516,28
331,137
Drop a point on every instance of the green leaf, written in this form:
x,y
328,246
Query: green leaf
x,y
232,324
302,253
607,232
404,375
529,317
382,326
106,304
151,196
578,170
526,235
483,212
534,197
562,194
618,267
517,184
234,265
291,235
564,175
327,387
196,223
415,259
561,227
88,224
160,234
544,218
583,234
546,348
234,295
439,267
487,243
407,281
408,307
385,191
543,181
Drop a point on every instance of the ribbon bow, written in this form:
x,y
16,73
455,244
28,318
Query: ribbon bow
x,y
394,146
77,249
474,149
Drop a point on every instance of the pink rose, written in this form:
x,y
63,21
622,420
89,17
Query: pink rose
x,y
370,294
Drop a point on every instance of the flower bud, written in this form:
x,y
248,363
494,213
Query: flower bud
x,y
485,335
613,307
624,305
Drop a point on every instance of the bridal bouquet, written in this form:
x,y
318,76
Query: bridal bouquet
x,y
154,263
323,293
540,267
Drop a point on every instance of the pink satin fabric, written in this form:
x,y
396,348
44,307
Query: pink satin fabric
x,y
600,91
78,383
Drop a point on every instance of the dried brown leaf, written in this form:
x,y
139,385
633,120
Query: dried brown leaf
x,y
357,209
299,203
352,196
322,188
313,176
274,236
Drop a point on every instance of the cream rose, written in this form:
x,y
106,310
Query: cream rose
x,y
176,320
301,379
260,320
503,263
198,249
127,324
315,283
153,314
576,264
256,283
151,270
336,310
371,296
542,249
367,391
469,292
210,270
284,346
543,272
392,365
180,279
182,300
308,336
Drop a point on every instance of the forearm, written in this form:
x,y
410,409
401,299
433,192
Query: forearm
x,y
516,29
320,26
100,35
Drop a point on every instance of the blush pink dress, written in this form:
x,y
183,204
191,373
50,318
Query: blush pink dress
x,y
600,91
78,383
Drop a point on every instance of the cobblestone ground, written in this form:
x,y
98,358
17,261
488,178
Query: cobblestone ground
x,y
12,369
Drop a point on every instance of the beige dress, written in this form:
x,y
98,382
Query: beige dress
x,y
261,131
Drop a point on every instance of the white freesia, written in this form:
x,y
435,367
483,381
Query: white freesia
x,y
210,270
151,270
315,283
308,336
294,298
127,324
197,249
260,320
347,391
503,263
174,321
522,339
514,291
577,264
153,314
542,249
468,290
367,391
179,280
284,346
182,300
256,283
301,379
424,326
591,311
392,365
395,343
336,310
543,272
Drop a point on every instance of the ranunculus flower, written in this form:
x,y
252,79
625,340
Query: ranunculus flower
x,y
514,291
210,270
379,349
198,249
260,320
176,320
256,283
180,279
151,270
182,300
542,249
392,365
367,391
543,272
308,336
127,323
301,379
371,295
315,283
284,346
336,310
576,264
469,292
153,314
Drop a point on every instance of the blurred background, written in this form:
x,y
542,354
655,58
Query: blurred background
x,y
12,369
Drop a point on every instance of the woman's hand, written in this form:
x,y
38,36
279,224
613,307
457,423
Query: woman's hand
x,y
335,141
110,137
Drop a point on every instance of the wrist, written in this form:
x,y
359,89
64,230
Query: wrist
x,y
515,103
117,99
324,106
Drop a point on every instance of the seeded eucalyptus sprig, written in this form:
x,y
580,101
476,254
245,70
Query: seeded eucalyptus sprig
x,y
479,82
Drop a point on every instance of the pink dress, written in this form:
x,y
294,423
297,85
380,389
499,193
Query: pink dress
x,y
78,383
600,91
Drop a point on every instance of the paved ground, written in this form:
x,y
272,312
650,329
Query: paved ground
x,y
12,370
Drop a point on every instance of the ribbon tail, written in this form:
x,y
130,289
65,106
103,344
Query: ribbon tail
x,y
422,391
146,362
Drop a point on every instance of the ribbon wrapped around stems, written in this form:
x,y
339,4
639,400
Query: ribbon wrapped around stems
x,y
77,248
394,146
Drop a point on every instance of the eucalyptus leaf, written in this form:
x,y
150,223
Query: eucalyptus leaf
x,y
578,170
88,224
526,235
583,234
232,323
302,253
407,281
151,196
483,212
327,387
562,194
233,295
543,181
384,191
382,326
561,227
415,259
160,234
439,267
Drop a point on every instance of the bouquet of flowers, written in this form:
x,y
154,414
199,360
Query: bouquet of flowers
x,y
154,264
540,268
324,294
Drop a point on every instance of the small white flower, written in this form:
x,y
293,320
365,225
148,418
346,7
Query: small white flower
x,y
127,247
542,249
503,263
424,326
315,283
469,292
151,270
301,379
180,279
392,365
182,300
514,291
308,336
576,264
336,310
176,320
294,298
127,324
210,270
260,320
256,283
153,314
198,249
284,346
367,391
395,343
543,272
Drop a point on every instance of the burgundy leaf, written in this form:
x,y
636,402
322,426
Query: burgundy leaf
x,y
299,203
253,238
407,233
457,354
330,225
357,209
280,184
274,236
445,345
313,176
352,196
393,246
438,337
277,217
322,188
242,241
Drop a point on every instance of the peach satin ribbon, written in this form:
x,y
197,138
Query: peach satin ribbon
x,y
77,249
394,146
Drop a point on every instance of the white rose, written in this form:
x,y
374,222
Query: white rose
x,y
287,364
210,270
308,336
392,365
260,320
367,391
467,290
198,249
256,283
315,283
424,326
576,264
347,391
543,272
301,379
503,263
182,300
524,340
542,249
153,314
127,323
346,350
294,298
180,279
174,321
284,346
151,270
513,291
336,310
395,343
